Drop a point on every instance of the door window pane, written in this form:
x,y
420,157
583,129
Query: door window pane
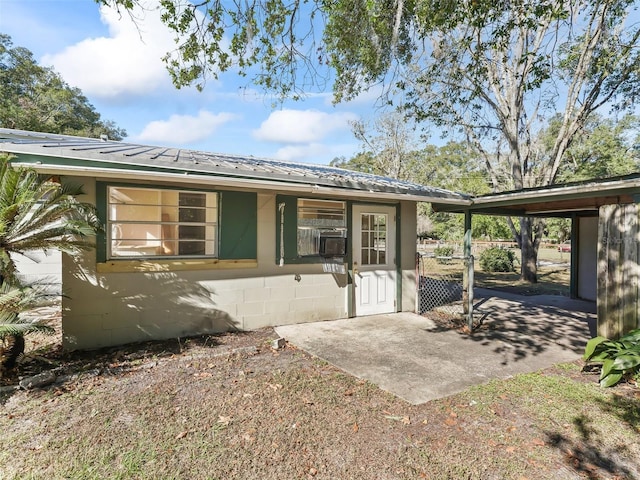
x,y
374,245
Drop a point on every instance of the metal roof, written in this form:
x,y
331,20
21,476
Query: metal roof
x,y
106,155
560,200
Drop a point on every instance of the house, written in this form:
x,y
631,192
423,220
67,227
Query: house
x,y
605,240
195,242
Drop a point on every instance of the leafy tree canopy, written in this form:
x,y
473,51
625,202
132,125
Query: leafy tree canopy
x,y
36,98
493,72
604,148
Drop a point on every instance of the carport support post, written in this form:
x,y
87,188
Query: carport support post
x,y
467,275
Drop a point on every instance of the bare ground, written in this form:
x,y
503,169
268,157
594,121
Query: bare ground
x,y
230,406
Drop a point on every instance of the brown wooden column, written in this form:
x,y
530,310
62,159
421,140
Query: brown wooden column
x,y
618,270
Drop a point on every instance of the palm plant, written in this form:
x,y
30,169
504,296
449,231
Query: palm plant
x,y
36,213
14,302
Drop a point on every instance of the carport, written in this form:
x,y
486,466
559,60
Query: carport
x,y
605,247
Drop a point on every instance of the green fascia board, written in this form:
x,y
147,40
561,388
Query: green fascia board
x,y
74,162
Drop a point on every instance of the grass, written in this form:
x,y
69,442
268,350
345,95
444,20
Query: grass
x,y
282,414
553,279
197,413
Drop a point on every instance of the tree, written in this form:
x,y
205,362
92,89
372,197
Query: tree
x,y
494,72
500,74
36,213
37,98
604,148
389,148
391,145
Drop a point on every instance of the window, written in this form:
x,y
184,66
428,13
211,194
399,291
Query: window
x,y
161,222
374,239
316,217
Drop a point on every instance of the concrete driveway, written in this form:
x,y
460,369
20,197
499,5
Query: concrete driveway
x,y
411,357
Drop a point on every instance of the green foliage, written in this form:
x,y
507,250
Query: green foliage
x,y
15,301
443,253
490,228
37,212
37,98
618,357
497,259
603,148
360,162
558,229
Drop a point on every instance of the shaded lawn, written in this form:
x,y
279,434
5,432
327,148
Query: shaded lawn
x,y
229,406
551,281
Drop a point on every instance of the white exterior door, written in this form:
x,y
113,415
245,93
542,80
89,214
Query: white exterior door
x,y
374,262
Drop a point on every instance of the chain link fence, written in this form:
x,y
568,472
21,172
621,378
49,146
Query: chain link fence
x,y
440,287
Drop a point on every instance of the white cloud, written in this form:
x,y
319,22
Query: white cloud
x,y
315,152
301,126
297,153
125,63
184,129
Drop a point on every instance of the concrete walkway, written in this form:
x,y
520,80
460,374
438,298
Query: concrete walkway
x,y
411,357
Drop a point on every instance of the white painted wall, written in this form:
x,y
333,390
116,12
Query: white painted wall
x,y
41,268
114,308
588,258
408,235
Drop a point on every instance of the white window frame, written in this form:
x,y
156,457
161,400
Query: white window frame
x,y
145,222
331,216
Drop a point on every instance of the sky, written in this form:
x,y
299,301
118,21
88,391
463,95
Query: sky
x,y
117,65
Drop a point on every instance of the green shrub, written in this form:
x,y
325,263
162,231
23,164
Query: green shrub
x,y
496,259
618,357
443,253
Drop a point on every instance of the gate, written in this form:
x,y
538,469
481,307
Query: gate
x,y
440,284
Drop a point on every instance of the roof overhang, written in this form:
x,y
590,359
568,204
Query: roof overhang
x,y
188,178
580,198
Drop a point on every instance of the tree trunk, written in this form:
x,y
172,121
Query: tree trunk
x,y
530,237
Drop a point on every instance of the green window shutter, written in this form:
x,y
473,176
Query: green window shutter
x,y
101,208
238,225
290,230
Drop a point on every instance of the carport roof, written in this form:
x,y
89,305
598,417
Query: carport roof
x,y
113,159
562,200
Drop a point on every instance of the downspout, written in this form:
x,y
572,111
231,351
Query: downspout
x,y
281,210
